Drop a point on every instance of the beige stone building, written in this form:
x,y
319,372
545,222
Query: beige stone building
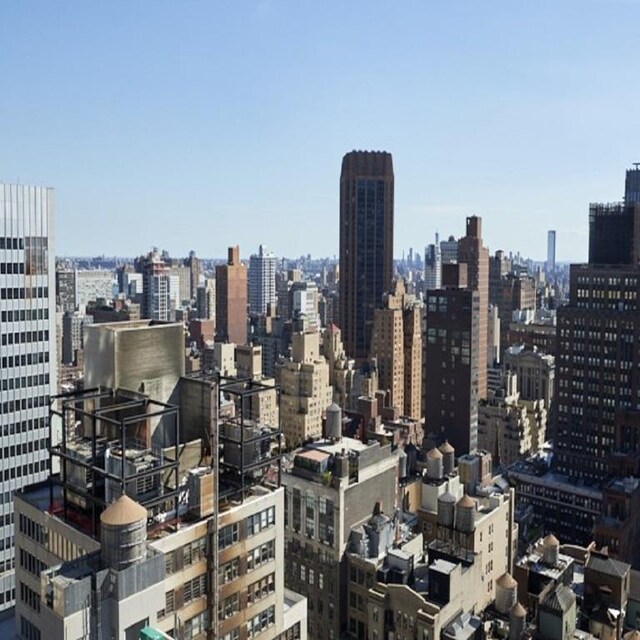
x,y
509,427
348,381
304,388
396,345
264,406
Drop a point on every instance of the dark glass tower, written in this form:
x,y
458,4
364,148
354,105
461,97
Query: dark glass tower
x,y
366,244
614,233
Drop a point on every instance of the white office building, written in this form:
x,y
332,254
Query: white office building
x,y
262,281
27,353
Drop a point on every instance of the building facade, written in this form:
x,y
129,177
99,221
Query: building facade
x,y
28,353
305,389
231,299
333,485
262,281
472,251
451,371
366,244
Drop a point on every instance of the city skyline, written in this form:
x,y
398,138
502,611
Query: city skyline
x,y
490,113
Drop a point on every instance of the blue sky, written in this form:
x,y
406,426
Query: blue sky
x,y
204,124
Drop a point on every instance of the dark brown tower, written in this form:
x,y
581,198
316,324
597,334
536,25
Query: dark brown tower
x,y
231,300
472,252
366,244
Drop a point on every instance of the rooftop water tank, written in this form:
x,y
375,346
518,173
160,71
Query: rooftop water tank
x,y
551,550
506,593
446,509
517,622
334,422
434,464
448,456
402,463
124,533
465,514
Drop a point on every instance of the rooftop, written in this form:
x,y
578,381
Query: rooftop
x,y
332,447
603,564
442,566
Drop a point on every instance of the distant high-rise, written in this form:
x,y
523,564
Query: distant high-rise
x,y
366,244
472,252
65,290
449,250
231,299
551,251
632,184
195,270
156,287
614,233
27,353
262,281
433,265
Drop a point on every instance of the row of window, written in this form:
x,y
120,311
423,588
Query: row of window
x,y
24,426
262,621
261,555
31,564
11,243
25,359
191,590
23,293
31,529
25,469
28,630
15,268
24,447
185,556
23,337
22,315
29,597
24,382
261,589
24,404
262,520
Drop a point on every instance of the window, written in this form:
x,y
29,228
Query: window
x,y
258,556
229,607
196,550
261,589
262,621
259,521
196,625
228,535
229,571
194,589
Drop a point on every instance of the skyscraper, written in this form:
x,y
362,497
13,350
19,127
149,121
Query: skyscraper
x,y
433,265
614,233
451,357
366,244
472,252
551,251
156,287
262,281
231,299
27,352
